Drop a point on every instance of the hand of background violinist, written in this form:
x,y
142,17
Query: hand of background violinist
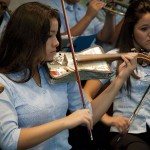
x,y
129,64
120,122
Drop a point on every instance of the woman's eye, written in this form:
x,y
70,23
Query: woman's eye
x,y
144,29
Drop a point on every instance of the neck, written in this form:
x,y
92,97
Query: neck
x,y
36,76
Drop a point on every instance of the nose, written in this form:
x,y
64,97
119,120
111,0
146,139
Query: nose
x,y
56,42
149,34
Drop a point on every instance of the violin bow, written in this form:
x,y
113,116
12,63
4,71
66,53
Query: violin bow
x,y
135,113
74,59
132,117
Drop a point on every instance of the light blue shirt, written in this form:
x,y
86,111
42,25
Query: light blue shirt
x,y
125,106
75,13
25,105
4,22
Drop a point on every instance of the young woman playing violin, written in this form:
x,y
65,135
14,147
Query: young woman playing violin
x,y
135,33
33,112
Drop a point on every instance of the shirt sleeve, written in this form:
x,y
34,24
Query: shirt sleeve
x,y
9,131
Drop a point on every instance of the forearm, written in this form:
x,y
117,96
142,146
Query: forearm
x,y
103,101
117,31
80,27
108,29
104,118
30,137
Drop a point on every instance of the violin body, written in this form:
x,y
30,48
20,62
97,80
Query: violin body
x,y
92,63
62,68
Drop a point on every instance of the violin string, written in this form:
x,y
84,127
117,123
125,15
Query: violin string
x,y
74,60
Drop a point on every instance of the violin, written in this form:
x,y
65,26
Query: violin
x,y
92,60
92,64
62,68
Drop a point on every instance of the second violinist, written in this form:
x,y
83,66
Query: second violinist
x,y
135,33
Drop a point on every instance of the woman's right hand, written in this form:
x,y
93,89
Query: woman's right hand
x,y
80,117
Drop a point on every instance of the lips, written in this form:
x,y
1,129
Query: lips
x,y
148,41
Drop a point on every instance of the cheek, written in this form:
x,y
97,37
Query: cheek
x,y
49,51
140,37
48,46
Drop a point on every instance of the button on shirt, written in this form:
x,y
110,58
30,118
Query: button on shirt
x,y
75,13
27,105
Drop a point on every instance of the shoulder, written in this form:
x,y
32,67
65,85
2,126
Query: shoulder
x,y
7,86
5,82
3,79
113,51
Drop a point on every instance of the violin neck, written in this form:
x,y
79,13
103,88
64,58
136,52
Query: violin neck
x,y
97,57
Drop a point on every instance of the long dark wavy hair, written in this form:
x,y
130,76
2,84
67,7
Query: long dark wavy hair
x,y
135,12
23,45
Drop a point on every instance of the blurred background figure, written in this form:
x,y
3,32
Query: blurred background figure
x,y
83,21
103,24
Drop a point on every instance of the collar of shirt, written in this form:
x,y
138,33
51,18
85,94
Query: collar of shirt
x,y
72,7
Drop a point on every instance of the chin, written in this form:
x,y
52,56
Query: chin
x,y
49,59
